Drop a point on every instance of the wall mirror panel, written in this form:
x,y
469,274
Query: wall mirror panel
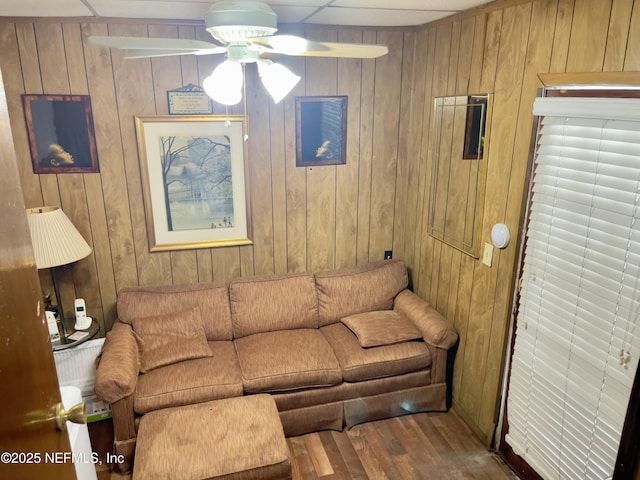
x,y
460,146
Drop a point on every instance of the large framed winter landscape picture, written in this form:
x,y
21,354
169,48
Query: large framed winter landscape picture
x,y
193,180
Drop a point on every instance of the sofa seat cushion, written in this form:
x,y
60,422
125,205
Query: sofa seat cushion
x,y
191,381
360,363
286,360
383,327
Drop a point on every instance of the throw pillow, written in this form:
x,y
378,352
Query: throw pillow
x,y
385,327
167,339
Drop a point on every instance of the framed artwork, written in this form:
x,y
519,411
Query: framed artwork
x,y
193,180
321,131
61,134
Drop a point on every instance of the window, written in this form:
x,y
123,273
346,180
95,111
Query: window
x,y
575,352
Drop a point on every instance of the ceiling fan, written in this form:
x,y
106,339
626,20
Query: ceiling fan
x,y
245,32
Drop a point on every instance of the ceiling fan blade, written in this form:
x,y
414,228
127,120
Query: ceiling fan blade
x,y
152,43
348,50
293,45
147,53
285,44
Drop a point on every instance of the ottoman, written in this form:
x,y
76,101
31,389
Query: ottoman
x,y
233,438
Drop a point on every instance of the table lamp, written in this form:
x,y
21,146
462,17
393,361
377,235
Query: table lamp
x,y
56,242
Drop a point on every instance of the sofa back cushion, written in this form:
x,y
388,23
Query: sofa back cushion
x,y
359,289
273,302
210,300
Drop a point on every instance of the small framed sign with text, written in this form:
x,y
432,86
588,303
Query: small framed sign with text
x,y
189,100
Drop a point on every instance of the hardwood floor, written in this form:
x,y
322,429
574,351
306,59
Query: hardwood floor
x,y
436,446
420,446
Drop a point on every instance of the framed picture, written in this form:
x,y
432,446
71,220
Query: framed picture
x,y
193,179
321,131
61,134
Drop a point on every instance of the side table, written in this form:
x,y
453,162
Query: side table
x,y
74,342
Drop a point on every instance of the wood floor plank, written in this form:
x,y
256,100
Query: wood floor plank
x,y
407,467
318,454
338,464
428,445
371,432
459,434
366,454
354,466
400,430
418,456
301,464
438,438
392,443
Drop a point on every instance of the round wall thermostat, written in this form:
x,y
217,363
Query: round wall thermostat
x,y
500,235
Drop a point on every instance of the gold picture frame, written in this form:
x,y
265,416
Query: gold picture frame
x,y
193,180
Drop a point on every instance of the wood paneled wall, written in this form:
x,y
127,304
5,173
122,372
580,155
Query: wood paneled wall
x,y
307,219
497,49
302,219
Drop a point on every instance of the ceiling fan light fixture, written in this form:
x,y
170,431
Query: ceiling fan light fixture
x,y
235,20
242,53
224,85
277,79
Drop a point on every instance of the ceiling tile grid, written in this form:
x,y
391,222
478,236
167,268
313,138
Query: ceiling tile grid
x,y
324,12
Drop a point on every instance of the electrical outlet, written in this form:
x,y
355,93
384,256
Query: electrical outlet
x,y
487,256
388,254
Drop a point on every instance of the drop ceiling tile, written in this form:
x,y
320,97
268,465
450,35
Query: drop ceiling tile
x,y
292,14
58,8
375,17
175,9
340,12
450,5
296,3
288,11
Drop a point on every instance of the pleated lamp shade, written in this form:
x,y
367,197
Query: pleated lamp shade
x,y
56,241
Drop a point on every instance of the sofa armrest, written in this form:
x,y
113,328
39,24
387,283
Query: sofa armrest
x,y
118,365
436,330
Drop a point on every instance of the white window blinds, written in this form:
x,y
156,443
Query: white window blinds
x,y
576,349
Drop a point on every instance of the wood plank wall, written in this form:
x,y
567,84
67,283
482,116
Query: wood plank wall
x,y
302,219
497,49
306,219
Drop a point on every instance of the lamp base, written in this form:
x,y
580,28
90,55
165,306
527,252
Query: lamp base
x,y
62,324
62,329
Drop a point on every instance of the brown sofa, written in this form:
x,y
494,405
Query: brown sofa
x,y
296,336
